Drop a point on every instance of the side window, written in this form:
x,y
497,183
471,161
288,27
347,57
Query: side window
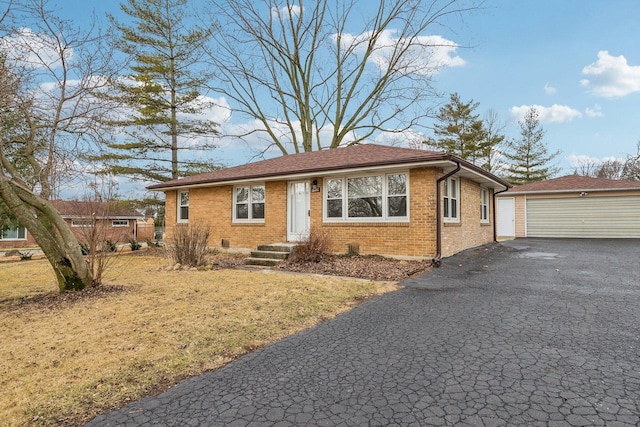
x,y
397,195
484,205
451,198
183,206
334,198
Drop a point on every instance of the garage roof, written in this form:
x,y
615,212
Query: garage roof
x,y
572,183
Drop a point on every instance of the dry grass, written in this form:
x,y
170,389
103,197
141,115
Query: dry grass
x,y
65,359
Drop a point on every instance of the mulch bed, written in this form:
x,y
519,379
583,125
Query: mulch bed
x,y
55,300
371,267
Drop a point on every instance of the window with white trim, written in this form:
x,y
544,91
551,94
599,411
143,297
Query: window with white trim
x,y
183,206
484,205
451,206
120,223
16,233
366,198
248,203
82,222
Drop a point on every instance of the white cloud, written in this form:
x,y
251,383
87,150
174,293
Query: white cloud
x,y
285,11
425,56
33,50
554,114
581,160
594,112
550,90
611,76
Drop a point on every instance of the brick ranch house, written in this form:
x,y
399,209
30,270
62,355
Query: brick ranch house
x,y
387,200
115,222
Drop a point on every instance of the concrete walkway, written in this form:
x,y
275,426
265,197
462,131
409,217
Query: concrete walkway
x,y
530,332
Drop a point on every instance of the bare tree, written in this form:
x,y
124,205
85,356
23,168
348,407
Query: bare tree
x,y
493,147
587,167
50,72
610,169
310,82
631,169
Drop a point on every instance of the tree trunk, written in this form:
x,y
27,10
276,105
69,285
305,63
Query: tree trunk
x,y
52,234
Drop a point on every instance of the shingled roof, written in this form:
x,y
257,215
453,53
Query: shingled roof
x,y
81,209
571,183
353,157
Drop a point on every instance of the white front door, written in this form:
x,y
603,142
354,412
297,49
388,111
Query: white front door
x,y
506,226
298,205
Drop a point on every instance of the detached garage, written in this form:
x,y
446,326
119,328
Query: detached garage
x,y
571,206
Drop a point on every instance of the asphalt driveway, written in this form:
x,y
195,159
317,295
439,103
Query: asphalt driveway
x,y
529,332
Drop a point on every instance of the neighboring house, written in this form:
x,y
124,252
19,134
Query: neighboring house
x,y
111,221
383,199
570,206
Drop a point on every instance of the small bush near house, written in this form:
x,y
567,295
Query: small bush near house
x,y
25,256
134,244
110,246
189,244
153,243
84,248
312,249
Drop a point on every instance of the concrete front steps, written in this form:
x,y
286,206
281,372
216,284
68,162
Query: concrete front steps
x,y
269,255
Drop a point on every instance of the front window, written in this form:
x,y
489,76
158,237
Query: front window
x,y
120,223
484,205
451,197
365,197
183,206
249,203
17,233
361,198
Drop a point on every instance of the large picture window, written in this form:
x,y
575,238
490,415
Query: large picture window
x,y
484,205
451,196
248,203
16,233
183,206
362,198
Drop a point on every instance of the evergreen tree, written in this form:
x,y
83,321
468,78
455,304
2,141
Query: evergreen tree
x,y
459,131
528,156
163,91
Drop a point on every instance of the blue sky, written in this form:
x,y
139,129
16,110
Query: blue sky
x,y
578,60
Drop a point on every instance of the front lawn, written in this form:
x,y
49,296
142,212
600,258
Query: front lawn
x,y
66,358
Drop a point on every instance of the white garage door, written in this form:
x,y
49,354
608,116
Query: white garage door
x,y
584,217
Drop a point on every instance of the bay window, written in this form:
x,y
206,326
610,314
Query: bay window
x,y
364,198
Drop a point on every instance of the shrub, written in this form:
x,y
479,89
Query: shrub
x,y
135,245
153,244
12,252
312,249
110,246
84,248
189,245
25,256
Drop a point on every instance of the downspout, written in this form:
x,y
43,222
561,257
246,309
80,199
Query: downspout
x,y
438,258
495,208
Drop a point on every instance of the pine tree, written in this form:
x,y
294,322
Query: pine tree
x,y
459,131
163,91
528,156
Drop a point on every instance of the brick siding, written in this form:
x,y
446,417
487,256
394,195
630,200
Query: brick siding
x,y
214,206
